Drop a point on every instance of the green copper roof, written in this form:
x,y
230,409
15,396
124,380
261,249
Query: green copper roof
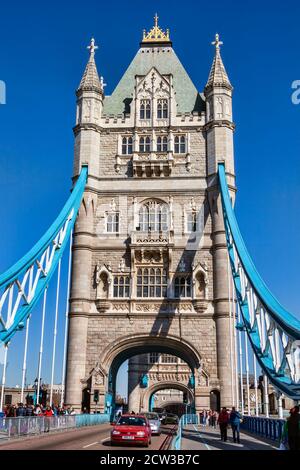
x,y
166,62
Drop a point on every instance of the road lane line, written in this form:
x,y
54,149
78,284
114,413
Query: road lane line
x,y
105,440
89,445
202,439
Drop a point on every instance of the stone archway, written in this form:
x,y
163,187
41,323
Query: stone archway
x,y
147,393
127,346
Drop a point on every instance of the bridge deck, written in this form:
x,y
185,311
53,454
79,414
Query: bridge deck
x,y
86,438
197,437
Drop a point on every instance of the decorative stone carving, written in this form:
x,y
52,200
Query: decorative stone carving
x,y
122,265
182,266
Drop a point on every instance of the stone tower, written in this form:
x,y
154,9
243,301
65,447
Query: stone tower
x,y
149,257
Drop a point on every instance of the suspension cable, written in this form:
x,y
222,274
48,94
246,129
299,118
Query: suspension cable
x,y
241,363
255,385
247,373
55,331
3,376
63,378
230,329
24,370
235,348
41,346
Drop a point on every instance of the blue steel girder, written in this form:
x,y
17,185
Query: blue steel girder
x,y
273,332
22,285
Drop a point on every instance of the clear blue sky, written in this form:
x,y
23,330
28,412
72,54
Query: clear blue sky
x,y
43,55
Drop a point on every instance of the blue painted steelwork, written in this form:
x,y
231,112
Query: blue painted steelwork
x,y
273,332
144,381
265,427
91,420
184,420
31,274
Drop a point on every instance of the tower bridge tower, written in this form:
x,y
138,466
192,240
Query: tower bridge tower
x,y
149,270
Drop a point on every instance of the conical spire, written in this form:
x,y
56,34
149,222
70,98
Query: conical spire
x,y
90,79
218,75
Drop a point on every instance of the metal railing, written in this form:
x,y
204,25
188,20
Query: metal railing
x,y
268,428
32,425
184,420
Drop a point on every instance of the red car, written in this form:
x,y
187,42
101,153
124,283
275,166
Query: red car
x,y
131,429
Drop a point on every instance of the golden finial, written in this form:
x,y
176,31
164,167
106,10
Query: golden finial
x,y
156,34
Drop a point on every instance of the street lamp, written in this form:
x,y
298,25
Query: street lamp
x,y
35,386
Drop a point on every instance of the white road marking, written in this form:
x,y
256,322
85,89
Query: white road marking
x,y
89,445
202,439
105,440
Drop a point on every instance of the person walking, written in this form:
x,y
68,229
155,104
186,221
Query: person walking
x,y
214,417
235,421
223,420
48,413
291,429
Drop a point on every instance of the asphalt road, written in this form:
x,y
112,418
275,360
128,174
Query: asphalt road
x,y
89,438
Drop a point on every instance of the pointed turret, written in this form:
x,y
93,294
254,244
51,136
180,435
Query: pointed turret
x,y
90,80
219,125
218,76
90,99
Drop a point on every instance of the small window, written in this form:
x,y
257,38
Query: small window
x,y
145,109
183,287
145,144
192,222
121,286
7,399
180,144
127,146
168,359
162,109
162,144
112,222
154,357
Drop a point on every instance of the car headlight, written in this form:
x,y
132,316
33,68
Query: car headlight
x,y
115,433
140,433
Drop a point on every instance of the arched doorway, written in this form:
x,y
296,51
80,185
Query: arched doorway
x,y
118,352
214,400
186,405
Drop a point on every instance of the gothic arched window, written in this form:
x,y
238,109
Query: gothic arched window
x,y
127,146
162,144
183,287
180,144
162,109
145,109
154,217
145,144
121,286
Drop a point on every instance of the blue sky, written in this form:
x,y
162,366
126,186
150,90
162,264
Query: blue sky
x,y
43,55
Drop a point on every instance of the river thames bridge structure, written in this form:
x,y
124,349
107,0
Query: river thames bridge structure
x,y
156,263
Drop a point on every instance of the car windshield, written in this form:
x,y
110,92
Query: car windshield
x,y
131,421
152,416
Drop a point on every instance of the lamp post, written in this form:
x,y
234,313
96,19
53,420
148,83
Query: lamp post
x,y
35,386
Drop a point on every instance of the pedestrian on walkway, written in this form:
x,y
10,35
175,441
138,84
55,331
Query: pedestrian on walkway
x,y
214,417
235,421
223,421
291,430
48,413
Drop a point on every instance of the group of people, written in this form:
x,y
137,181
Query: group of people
x,y
223,419
208,418
26,410
291,430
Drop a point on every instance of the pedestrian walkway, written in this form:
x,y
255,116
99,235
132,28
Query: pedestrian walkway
x,y
197,437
